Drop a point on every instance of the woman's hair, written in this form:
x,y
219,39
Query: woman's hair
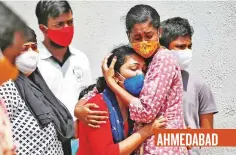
x,y
32,36
121,54
140,14
86,90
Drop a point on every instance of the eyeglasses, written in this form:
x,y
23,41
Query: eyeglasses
x,y
34,47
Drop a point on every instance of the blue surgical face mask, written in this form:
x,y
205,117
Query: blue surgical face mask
x,y
134,84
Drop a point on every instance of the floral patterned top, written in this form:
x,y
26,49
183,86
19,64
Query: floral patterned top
x,y
161,95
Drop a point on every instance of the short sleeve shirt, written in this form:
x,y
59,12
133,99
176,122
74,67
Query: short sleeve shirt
x,y
197,99
68,80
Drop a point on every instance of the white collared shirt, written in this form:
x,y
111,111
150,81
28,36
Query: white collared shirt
x,y
67,81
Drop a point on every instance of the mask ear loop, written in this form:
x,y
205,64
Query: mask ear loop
x,y
120,76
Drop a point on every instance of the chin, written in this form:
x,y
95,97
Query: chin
x,y
56,45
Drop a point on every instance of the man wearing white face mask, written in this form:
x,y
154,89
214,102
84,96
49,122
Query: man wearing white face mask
x,y
199,105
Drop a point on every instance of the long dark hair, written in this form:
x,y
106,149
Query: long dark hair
x,y
121,53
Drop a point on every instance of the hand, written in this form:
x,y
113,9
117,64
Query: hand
x,y
190,146
91,117
158,123
108,72
9,151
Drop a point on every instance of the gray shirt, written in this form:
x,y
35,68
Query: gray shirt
x,y
198,99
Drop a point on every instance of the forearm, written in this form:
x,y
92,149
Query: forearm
x,y
206,121
140,111
76,127
128,145
121,92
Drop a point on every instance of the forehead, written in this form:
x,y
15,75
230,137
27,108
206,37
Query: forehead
x,y
29,43
182,40
63,17
143,27
133,59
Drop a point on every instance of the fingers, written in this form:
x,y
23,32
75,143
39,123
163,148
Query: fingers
x,y
97,118
96,123
162,125
159,117
95,112
113,63
189,147
92,105
9,152
104,62
93,126
98,113
159,120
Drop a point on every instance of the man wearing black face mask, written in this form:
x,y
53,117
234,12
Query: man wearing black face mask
x,y
65,69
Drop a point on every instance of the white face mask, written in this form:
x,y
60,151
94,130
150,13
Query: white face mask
x,y
27,62
183,57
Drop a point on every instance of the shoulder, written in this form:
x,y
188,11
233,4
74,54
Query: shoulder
x,y
78,53
10,94
164,54
196,80
163,62
98,100
165,57
8,86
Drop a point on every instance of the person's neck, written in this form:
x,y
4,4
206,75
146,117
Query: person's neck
x,y
57,53
123,109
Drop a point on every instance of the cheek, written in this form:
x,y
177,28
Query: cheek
x,y
155,37
133,40
128,73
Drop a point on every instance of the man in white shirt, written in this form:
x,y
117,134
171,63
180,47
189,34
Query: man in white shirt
x,y
66,70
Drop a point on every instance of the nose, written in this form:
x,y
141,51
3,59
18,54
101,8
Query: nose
x,y
143,39
139,72
66,25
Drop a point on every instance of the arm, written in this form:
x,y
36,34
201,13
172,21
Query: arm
x,y
206,121
101,144
84,113
207,107
158,80
76,125
104,145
